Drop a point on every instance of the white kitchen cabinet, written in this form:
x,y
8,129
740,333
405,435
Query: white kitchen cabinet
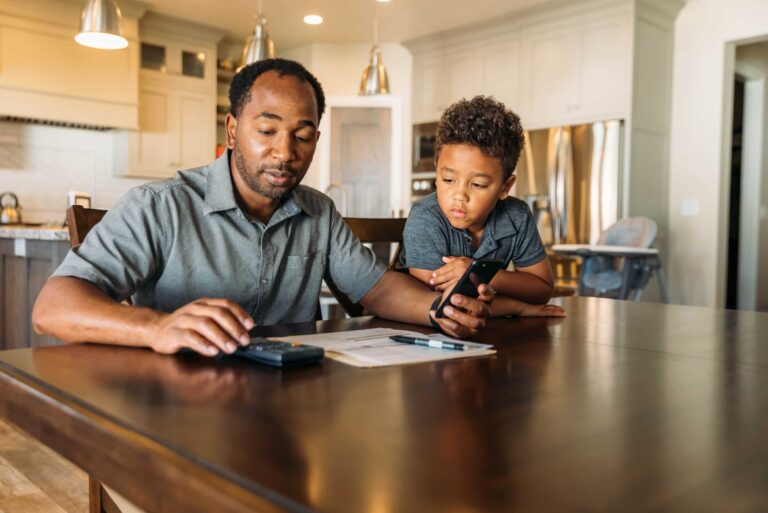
x,y
551,73
460,76
552,78
176,132
500,73
177,102
428,94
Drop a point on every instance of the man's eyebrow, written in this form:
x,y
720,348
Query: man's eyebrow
x,y
269,115
272,115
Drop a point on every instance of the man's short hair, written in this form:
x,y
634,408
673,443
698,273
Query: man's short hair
x,y
240,89
486,124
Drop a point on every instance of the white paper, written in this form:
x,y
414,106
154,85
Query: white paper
x,y
373,347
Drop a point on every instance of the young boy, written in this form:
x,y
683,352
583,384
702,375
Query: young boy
x,y
472,216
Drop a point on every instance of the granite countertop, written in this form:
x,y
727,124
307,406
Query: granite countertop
x,y
36,232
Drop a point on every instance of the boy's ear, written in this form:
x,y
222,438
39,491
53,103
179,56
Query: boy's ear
x,y
507,186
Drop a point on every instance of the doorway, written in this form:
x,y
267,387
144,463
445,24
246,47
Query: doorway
x,y
747,250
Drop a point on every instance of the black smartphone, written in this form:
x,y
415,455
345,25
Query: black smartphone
x,y
479,271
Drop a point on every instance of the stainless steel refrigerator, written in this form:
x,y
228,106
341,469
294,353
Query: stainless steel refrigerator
x,y
571,178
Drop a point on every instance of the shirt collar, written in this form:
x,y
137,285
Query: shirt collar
x,y
498,226
220,194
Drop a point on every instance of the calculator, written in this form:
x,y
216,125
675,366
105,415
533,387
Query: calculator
x,y
278,353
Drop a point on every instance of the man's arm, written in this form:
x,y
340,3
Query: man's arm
x,y
401,297
75,310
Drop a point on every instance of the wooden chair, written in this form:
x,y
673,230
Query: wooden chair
x,y
371,230
80,220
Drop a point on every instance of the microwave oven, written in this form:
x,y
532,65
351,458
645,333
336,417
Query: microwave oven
x,y
424,147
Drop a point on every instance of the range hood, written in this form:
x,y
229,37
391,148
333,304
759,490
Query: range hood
x,y
45,76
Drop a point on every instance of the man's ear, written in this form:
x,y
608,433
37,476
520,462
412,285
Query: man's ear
x,y
230,122
507,186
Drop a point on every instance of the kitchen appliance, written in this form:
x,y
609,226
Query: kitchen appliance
x,y
423,173
571,178
11,210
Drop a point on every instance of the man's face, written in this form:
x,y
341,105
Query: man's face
x,y
274,138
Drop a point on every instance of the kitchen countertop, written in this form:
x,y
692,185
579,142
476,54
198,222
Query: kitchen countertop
x,y
36,232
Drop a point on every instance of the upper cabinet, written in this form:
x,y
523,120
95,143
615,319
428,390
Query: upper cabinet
x,y
45,74
177,101
549,72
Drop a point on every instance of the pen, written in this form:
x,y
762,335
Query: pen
x,y
429,342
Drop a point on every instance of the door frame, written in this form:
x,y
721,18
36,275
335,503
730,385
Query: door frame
x,y
398,201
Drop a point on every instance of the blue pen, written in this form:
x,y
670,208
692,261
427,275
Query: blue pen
x,y
428,342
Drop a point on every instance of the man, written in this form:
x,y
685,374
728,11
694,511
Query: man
x,y
207,255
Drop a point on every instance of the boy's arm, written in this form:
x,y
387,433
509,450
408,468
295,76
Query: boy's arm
x,y
423,275
532,284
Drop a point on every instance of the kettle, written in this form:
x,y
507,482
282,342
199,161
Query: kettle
x,y
11,210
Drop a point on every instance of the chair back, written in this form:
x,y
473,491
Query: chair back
x,y
371,230
637,232
80,220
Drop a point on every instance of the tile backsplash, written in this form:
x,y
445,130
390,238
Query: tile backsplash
x,y
41,163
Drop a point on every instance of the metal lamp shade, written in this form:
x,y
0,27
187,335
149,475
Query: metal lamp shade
x,y
259,46
101,26
374,79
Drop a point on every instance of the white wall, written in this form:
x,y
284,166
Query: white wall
x,y
705,31
41,163
339,68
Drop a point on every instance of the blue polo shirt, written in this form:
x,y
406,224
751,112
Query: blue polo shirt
x,y
510,235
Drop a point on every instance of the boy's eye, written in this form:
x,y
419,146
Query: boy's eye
x,y
479,185
266,132
447,180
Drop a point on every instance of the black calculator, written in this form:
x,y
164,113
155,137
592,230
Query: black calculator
x,y
278,353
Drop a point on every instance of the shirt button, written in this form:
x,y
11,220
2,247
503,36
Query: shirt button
x,y
264,281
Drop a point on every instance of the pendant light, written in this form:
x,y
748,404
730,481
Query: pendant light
x,y
374,79
258,46
101,26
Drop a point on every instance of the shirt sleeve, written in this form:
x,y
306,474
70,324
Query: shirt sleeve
x,y
123,250
528,249
424,240
352,267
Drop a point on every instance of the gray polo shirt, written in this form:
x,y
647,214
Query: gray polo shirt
x,y
510,235
170,242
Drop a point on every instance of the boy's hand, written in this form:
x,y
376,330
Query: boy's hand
x,y
447,275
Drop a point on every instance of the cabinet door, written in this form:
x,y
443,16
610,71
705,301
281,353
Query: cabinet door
x,y
460,77
155,154
196,130
553,81
604,71
428,95
500,73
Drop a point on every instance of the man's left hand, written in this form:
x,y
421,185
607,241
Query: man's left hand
x,y
466,316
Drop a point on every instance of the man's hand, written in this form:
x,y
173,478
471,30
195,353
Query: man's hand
x,y
207,326
444,277
467,316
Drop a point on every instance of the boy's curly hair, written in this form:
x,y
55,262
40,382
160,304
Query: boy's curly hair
x,y
487,124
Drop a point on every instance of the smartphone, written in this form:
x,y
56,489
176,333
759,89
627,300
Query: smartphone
x,y
479,271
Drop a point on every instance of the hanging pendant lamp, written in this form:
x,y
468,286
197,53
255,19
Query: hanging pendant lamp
x,y
101,26
258,46
374,79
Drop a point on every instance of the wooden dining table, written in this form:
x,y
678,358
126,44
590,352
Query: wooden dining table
x,y
620,406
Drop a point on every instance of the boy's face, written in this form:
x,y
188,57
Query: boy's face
x,y
469,183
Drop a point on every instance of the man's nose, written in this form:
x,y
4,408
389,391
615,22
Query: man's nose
x,y
283,149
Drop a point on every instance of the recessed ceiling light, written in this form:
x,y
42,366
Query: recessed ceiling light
x,y
383,1
313,19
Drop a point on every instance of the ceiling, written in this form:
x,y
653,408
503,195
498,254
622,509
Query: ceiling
x,y
346,21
